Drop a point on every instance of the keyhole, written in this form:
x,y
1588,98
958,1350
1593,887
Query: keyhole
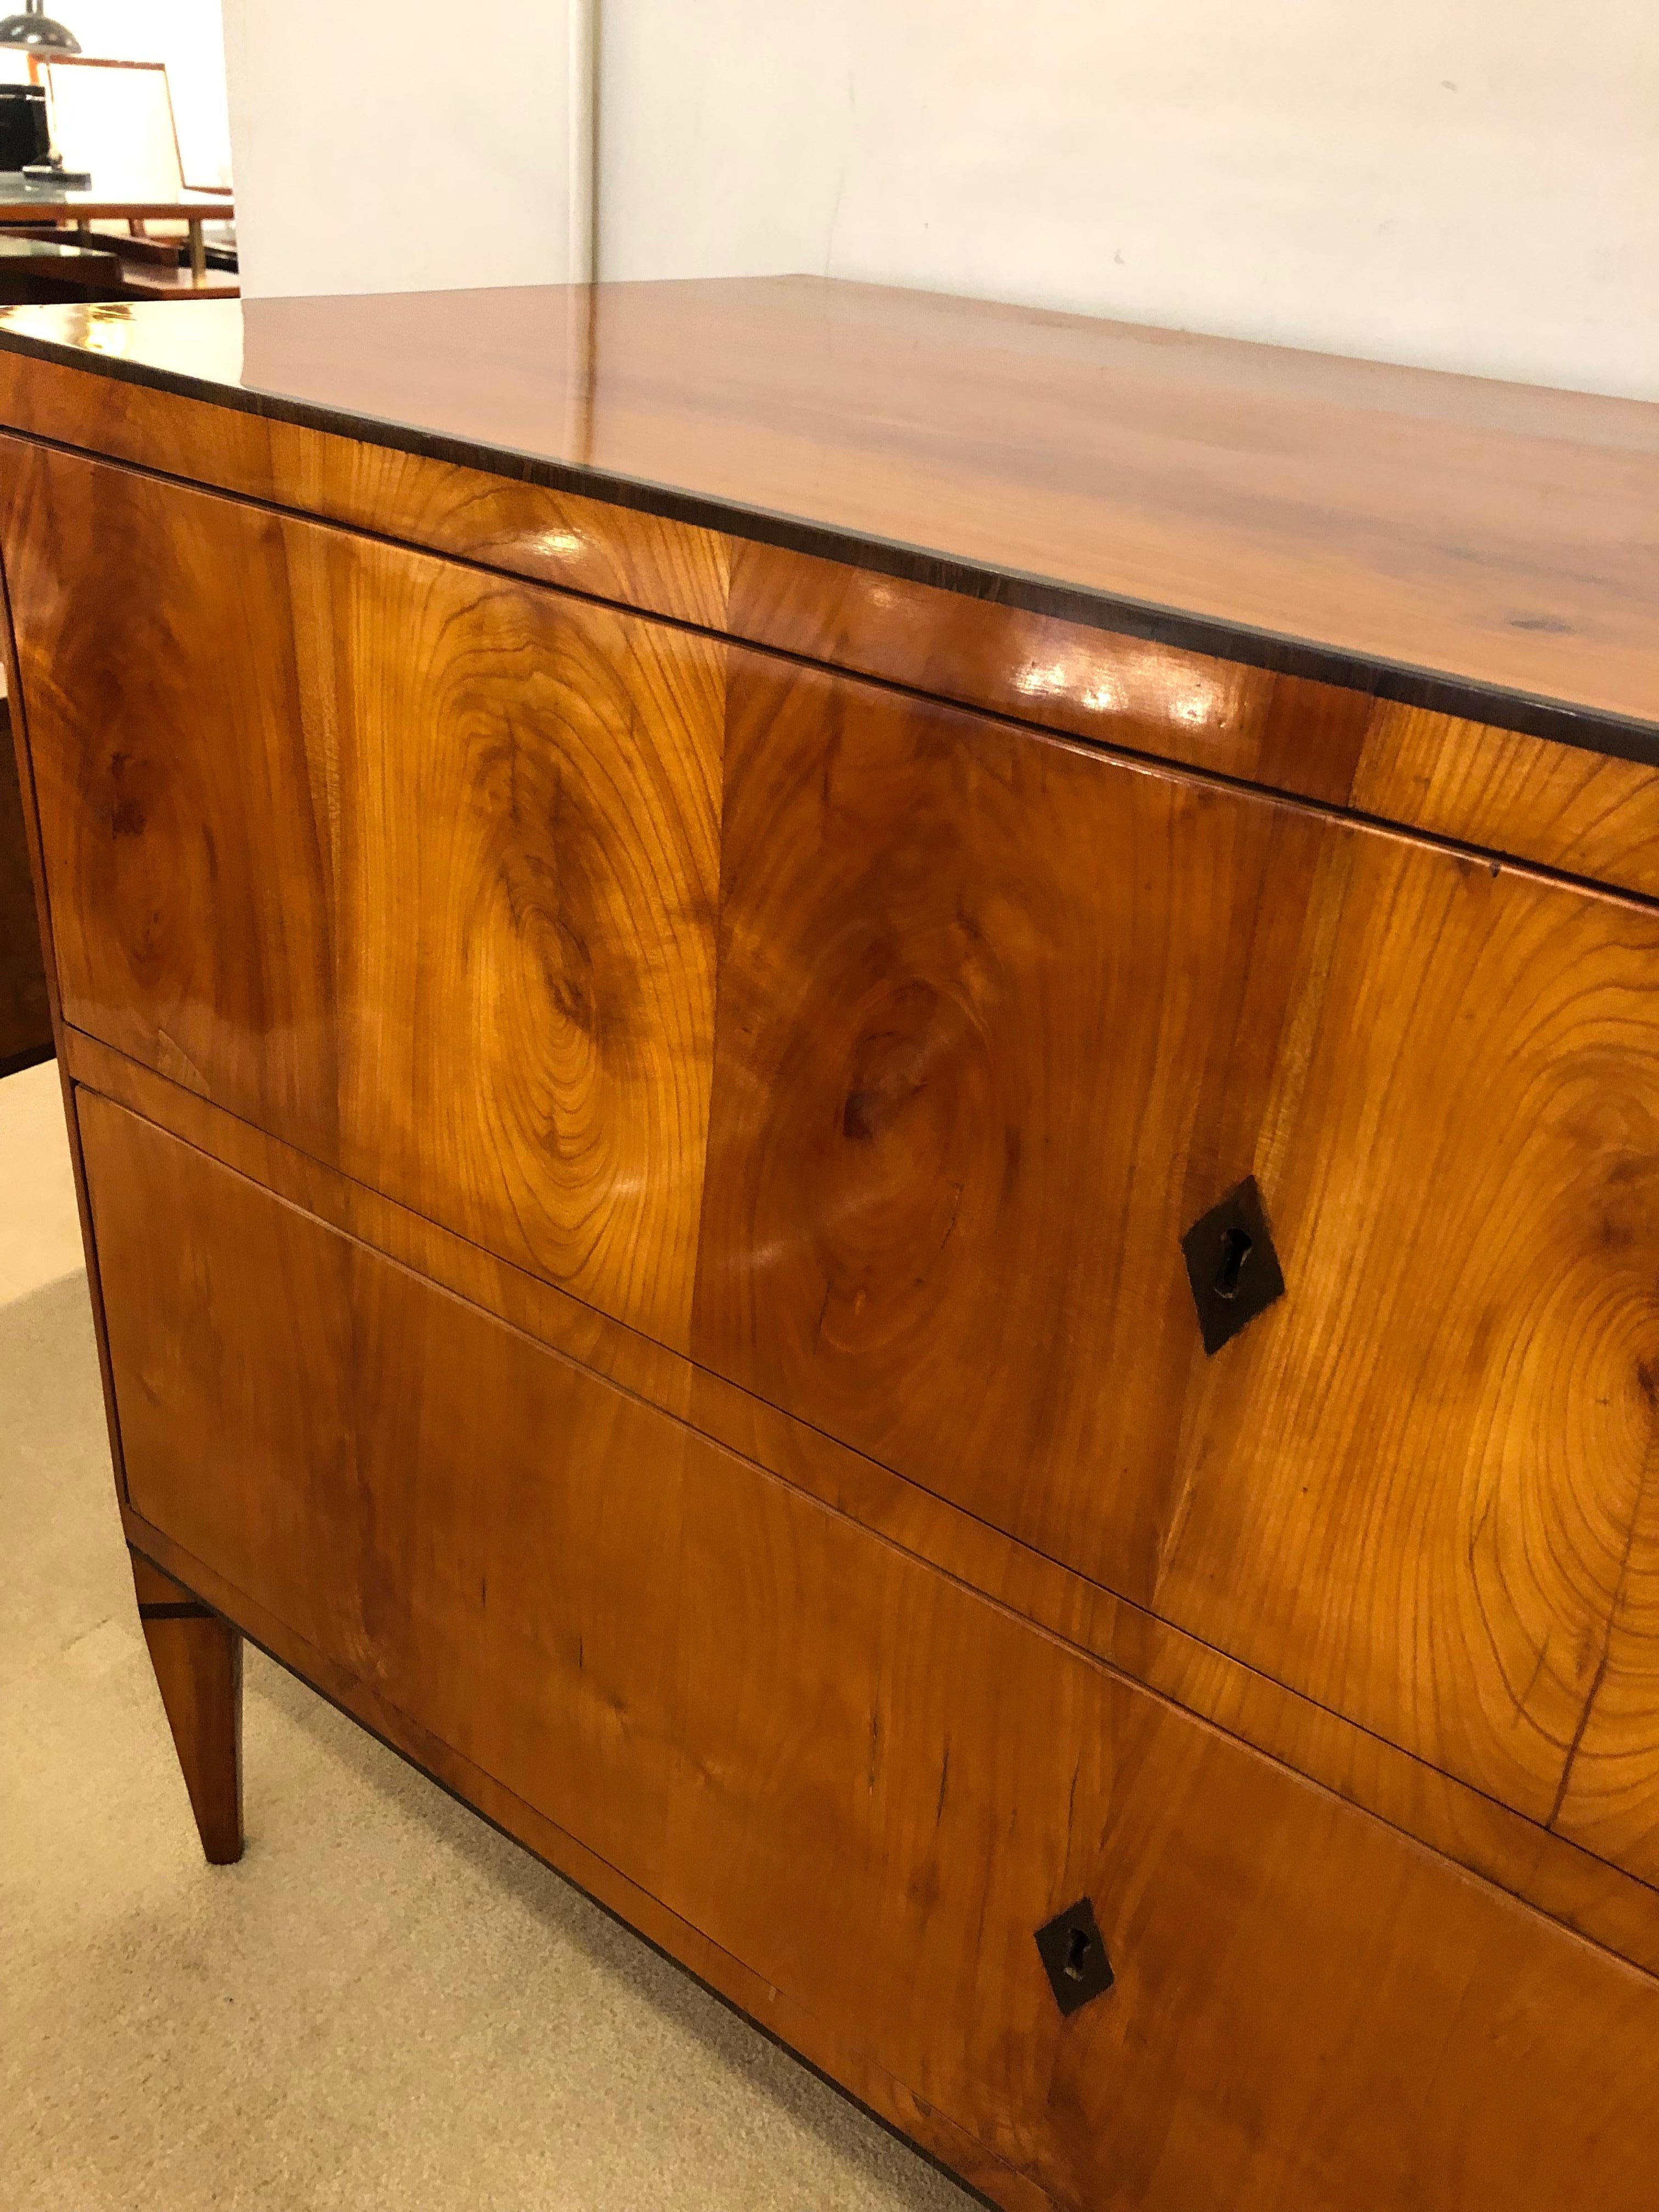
x,y
1235,1248
1076,1951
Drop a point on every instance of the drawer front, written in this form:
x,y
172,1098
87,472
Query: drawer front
x,y
999,1020
867,1784
411,865
1425,1492
879,1055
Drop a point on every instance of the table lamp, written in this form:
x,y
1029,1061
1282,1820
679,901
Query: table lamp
x,y
34,27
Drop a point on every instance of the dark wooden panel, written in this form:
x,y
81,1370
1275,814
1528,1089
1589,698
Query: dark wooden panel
x,y
1560,1879
25,1015
19,753
1383,515
846,1770
413,865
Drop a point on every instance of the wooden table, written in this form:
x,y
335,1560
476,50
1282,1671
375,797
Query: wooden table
x,y
868,1094
25,204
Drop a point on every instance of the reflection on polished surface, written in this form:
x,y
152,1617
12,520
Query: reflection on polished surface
x,y
1369,510
856,1318
206,345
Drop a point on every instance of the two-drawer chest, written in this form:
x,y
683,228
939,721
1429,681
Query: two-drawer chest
x,y
867,1099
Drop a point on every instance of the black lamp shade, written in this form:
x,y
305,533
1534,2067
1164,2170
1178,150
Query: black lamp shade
x,y
39,31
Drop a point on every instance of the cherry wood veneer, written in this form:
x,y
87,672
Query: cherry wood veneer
x,y
465,964
850,1772
446,920
668,941
1207,490
1578,798
1562,1880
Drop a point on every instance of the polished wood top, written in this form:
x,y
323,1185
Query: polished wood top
x,y
21,202
1448,540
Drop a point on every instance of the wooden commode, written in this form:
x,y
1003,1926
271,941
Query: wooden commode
x,y
867,1098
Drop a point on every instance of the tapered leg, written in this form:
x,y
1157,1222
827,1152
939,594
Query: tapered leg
x,y
197,1660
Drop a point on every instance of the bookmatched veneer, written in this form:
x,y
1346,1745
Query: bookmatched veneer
x,y
883,1831
867,1093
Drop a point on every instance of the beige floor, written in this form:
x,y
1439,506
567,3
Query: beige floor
x,y
385,2005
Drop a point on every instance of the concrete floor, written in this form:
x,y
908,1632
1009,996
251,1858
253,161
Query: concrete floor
x,y
385,2005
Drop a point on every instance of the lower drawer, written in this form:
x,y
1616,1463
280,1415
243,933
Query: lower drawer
x,y
867,1783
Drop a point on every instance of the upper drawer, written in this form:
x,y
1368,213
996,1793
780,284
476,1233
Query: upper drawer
x,y
431,873
998,1021
410,863
846,1770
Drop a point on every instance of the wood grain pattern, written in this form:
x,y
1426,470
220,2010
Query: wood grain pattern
x,y
1564,806
17,711
847,2063
1135,693
585,544
1571,809
998,1020
673,1159
1141,695
1387,515
1127,691
1609,1794
887,1831
1556,1877
444,916
919,1161
198,1663
1412,1488
25,1015
411,863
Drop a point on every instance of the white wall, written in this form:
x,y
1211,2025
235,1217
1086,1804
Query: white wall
x,y
185,35
379,147
1467,184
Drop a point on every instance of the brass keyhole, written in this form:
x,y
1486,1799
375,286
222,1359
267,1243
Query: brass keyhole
x,y
1235,1248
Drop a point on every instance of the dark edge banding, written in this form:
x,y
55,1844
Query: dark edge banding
x,y
1432,691
184,1610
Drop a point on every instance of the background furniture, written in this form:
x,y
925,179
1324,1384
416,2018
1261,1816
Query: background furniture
x,y
33,30
113,114
62,216
136,231
897,1061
